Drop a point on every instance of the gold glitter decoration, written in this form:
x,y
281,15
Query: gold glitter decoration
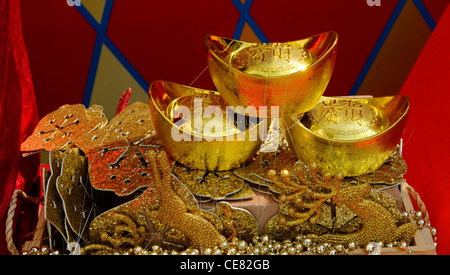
x,y
167,209
238,223
126,233
304,196
104,223
118,153
59,129
172,210
210,184
72,187
280,231
338,219
308,194
388,202
378,223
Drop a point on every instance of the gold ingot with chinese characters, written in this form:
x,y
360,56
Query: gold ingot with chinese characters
x,y
351,135
292,75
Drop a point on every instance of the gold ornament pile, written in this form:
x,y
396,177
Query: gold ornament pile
x,y
161,211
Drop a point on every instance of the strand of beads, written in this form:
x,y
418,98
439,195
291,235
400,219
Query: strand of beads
x,y
260,245
423,223
44,250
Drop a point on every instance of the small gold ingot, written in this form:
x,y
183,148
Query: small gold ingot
x,y
352,135
291,75
192,140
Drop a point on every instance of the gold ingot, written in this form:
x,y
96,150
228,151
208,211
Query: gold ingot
x,y
291,75
183,121
351,135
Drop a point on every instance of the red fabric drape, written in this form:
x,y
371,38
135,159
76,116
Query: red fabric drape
x,y
427,149
18,117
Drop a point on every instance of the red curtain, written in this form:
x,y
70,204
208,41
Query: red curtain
x,y
18,117
427,149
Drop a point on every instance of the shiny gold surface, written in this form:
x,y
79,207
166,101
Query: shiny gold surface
x,y
218,150
354,136
291,75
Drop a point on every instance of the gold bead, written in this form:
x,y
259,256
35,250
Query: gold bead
x,y
277,246
231,251
45,250
242,245
370,247
284,173
138,250
433,231
291,250
351,246
403,245
207,251
287,242
224,244
321,249
418,215
217,251
271,173
256,239
34,251
307,242
420,224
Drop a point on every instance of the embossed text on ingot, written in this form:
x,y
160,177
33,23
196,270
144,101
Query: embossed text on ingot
x,y
353,110
274,57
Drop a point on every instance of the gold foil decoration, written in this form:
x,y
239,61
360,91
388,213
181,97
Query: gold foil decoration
x,y
209,184
292,75
59,129
246,192
256,170
353,136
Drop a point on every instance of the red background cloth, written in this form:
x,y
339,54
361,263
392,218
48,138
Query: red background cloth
x,y
426,149
18,117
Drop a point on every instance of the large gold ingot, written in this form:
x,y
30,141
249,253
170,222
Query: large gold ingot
x,y
354,136
187,138
291,75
